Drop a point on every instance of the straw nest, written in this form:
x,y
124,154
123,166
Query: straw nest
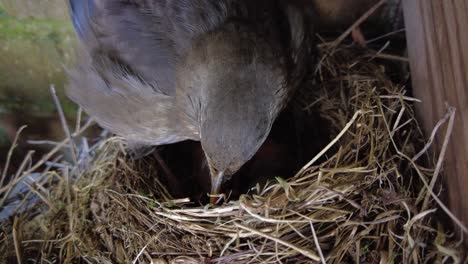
x,y
371,201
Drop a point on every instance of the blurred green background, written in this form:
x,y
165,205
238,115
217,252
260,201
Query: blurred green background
x,y
36,42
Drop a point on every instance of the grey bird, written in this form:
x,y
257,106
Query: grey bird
x,y
217,71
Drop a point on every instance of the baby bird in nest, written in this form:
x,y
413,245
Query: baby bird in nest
x,y
217,71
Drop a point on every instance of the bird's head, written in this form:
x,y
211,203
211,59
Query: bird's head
x,y
237,84
238,80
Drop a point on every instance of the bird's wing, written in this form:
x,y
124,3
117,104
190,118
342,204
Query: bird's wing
x,y
125,76
129,32
128,106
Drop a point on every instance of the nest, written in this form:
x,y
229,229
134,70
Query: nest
x,y
372,200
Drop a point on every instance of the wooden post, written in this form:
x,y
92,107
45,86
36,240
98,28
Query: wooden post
x,y
437,36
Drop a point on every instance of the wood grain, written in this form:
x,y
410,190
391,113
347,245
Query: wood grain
x,y
437,35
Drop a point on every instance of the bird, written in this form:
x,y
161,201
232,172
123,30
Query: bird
x,y
157,72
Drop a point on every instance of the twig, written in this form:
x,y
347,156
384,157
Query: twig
x,y
78,119
432,137
441,158
42,142
16,240
385,35
333,142
306,252
35,190
68,187
43,160
387,57
380,50
10,153
406,98
317,244
357,23
146,246
7,192
64,123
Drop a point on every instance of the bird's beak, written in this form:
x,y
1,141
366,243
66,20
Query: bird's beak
x,y
216,182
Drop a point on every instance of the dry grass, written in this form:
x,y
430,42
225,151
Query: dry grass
x,y
371,201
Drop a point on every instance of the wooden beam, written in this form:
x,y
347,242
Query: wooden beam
x,y
437,36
